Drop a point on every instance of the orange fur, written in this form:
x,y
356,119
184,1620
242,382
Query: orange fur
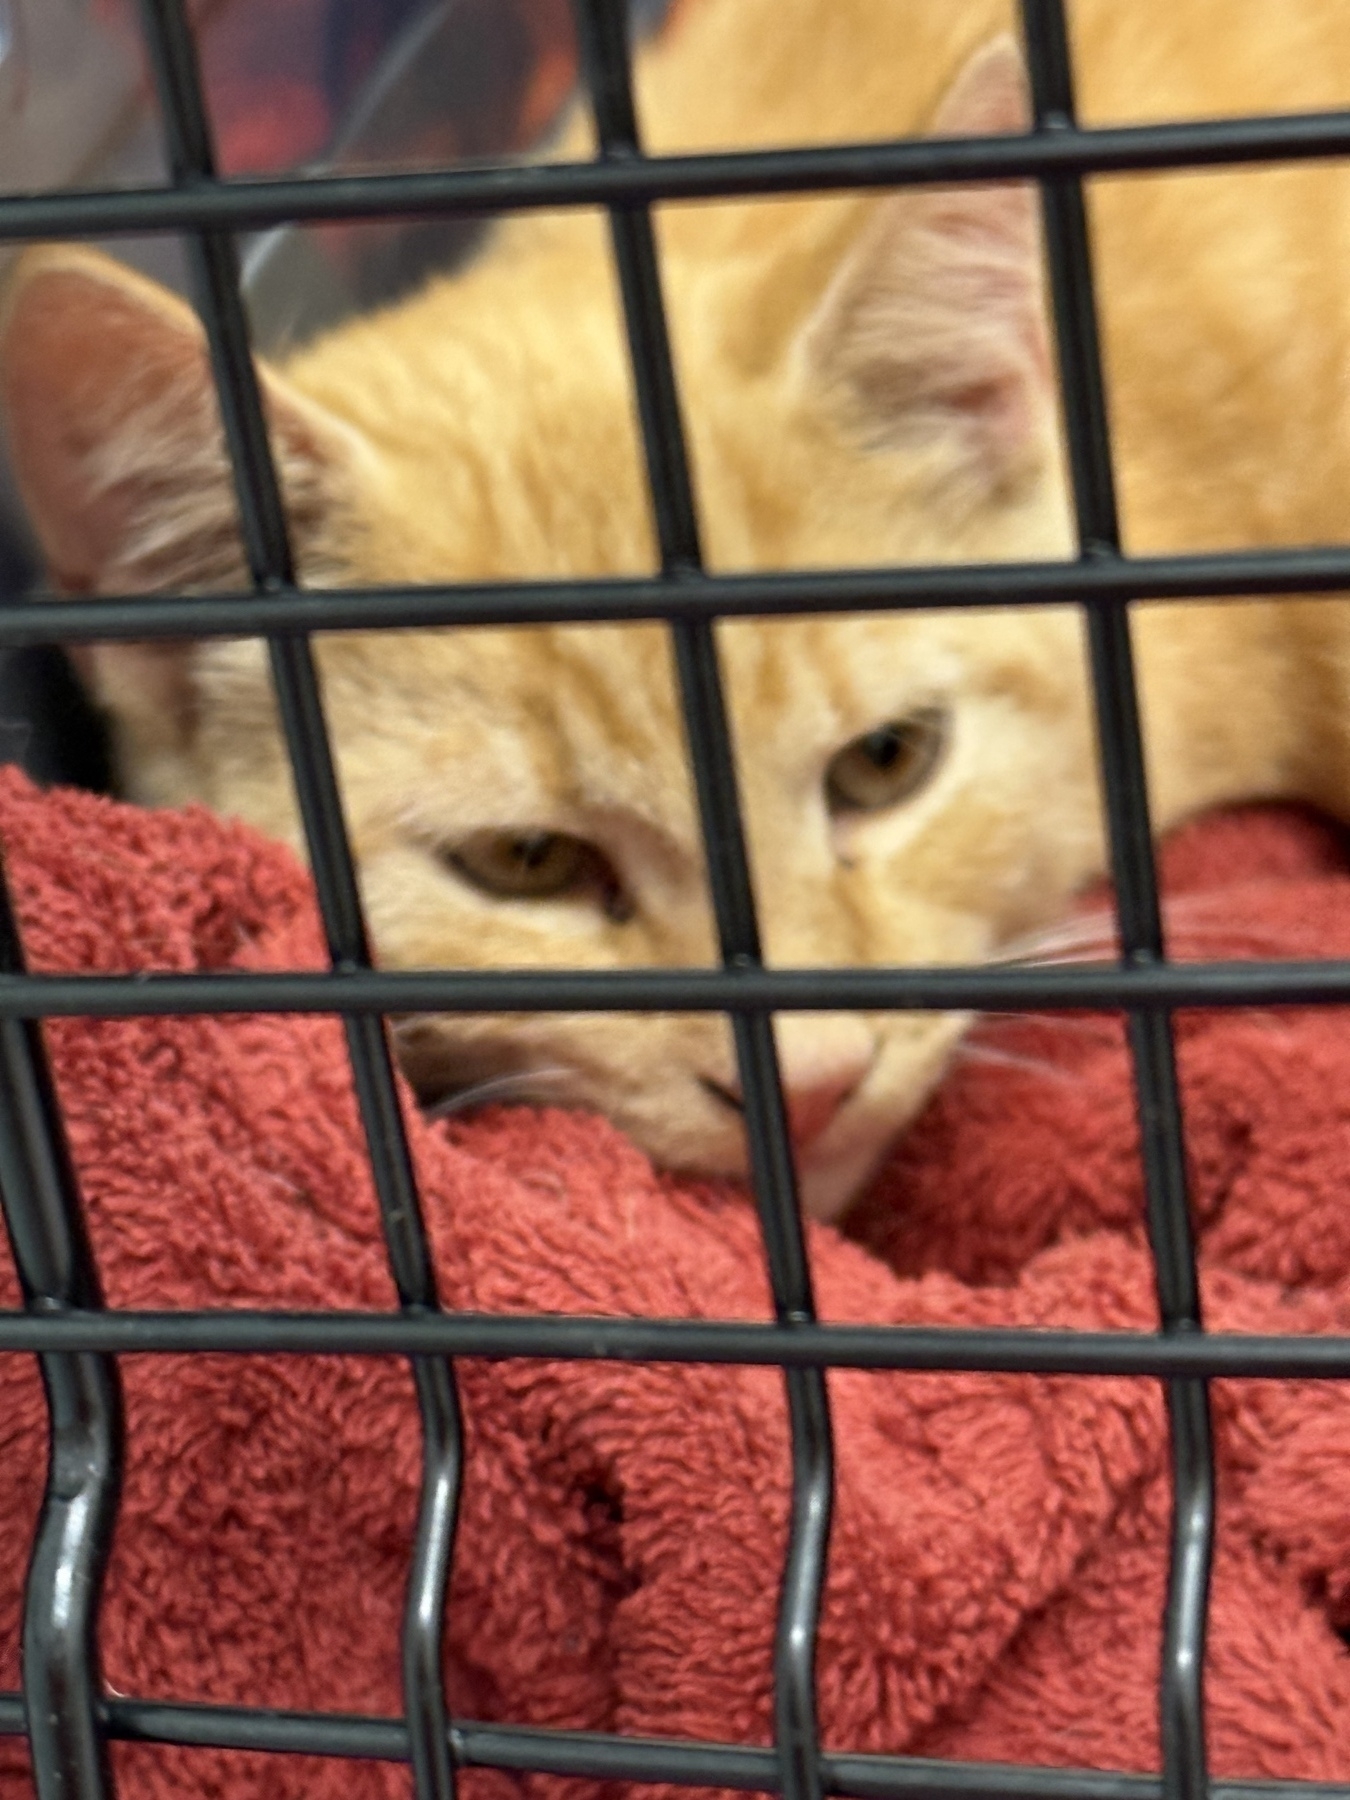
x,y
866,381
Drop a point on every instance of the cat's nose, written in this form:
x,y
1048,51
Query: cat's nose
x,y
819,1077
824,1058
809,1109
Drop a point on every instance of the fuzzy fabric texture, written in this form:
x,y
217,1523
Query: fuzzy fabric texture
x,y
996,1568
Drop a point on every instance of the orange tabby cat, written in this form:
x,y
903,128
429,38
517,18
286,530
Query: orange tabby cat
x,y
867,380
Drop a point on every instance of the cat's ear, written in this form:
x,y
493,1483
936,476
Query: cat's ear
x,y
933,328
115,437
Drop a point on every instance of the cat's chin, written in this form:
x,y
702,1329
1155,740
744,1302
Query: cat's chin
x,y
913,1055
827,1190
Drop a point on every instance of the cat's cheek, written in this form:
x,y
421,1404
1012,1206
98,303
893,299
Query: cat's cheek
x,y
686,1131
642,1074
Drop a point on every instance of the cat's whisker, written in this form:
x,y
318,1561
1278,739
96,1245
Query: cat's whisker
x,y
1093,937
1070,955
524,1086
409,1022
1076,936
975,1052
1093,1026
1195,934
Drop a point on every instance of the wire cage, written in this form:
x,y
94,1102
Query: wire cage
x,y
67,1719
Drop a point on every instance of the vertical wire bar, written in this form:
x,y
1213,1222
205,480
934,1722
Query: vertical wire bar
x,y
603,32
40,1198
267,546
1126,796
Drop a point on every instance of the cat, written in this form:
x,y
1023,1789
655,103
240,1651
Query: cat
x,y
867,380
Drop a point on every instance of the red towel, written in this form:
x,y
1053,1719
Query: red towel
x,y
997,1562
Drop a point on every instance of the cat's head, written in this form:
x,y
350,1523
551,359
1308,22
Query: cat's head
x,y
868,385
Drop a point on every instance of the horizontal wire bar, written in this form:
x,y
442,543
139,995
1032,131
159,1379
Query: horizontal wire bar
x,y
580,1338
252,203
1241,574
689,1762
1093,987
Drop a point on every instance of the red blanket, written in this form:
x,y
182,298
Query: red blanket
x,y
996,1569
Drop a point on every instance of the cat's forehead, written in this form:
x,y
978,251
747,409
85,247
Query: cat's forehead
x,y
514,723
500,417
820,677
600,705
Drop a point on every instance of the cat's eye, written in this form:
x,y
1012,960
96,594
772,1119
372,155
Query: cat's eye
x,y
539,865
887,765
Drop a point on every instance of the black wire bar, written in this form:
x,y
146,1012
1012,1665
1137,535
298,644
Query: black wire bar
x,y
1120,741
44,1220
1093,987
263,527
600,1756
583,1337
253,203
1319,571
602,30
